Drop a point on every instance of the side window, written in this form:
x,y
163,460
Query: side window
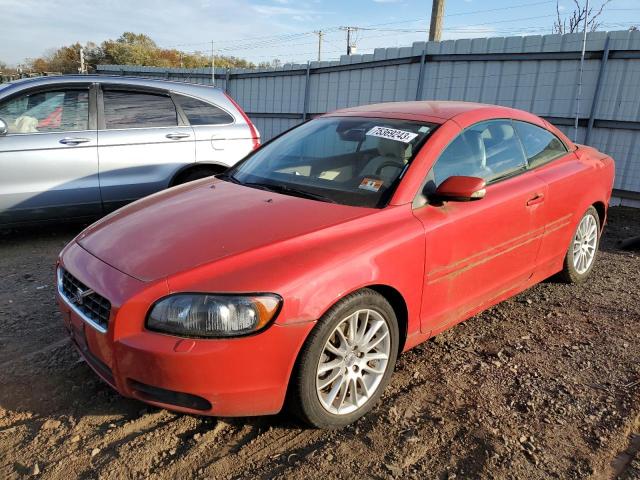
x,y
540,145
203,113
489,150
138,110
50,111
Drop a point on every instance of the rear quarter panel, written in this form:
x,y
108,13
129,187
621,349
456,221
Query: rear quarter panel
x,y
576,181
222,144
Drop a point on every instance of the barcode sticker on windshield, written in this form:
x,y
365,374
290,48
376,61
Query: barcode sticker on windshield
x,y
392,134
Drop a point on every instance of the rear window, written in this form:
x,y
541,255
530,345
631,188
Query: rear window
x,y
199,112
540,145
138,110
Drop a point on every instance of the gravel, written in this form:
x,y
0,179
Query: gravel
x,y
544,385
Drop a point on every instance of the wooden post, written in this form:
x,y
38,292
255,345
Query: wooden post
x,y
437,14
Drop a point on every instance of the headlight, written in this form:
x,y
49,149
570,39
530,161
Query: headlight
x,y
204,315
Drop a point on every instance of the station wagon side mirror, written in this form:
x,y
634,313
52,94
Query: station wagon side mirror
x,y
460,189
4,128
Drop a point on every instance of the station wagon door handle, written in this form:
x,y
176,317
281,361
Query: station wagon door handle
x,y
538,198
74,140
177,135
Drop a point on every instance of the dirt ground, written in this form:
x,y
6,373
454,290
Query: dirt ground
x,y
545,385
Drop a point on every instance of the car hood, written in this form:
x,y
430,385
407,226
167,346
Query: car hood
x,y
201,222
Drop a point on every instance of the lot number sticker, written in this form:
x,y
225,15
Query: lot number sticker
x,y
392,134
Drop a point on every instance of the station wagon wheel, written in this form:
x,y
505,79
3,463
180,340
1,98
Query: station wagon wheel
x,y
583,249
346,362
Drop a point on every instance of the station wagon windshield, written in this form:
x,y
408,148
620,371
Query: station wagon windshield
x,y
348,160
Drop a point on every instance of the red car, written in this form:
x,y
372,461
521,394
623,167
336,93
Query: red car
x,y
302,272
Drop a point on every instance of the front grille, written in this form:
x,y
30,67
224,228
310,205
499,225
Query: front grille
x,y
94,307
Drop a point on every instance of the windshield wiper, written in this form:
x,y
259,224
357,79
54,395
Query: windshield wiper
x,y
229,178
277,188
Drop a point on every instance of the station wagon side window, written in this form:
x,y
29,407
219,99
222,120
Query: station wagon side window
x,y
124,109
489,150
199,112
47,111
540,145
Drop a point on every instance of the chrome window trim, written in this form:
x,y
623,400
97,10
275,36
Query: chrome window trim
x,y
96,326
56,132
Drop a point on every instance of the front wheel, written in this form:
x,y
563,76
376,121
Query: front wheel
x,y
582,252
346,362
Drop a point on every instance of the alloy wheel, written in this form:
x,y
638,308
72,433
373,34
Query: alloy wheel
x,y
353,362
585,243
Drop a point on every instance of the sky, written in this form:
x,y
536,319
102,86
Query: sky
x,y
262,30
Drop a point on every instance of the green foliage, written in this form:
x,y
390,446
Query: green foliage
x,y
129,49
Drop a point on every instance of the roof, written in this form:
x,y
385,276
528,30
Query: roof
x,y
182,87
443,110
95,77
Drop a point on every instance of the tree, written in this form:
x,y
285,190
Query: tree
x,y
63,60
577,17
128,49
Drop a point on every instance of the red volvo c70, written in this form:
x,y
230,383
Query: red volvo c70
x,y
302,272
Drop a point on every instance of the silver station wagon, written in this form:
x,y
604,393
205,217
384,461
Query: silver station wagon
x,y
80,146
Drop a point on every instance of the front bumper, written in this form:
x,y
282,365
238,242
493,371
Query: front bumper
x,y
222,377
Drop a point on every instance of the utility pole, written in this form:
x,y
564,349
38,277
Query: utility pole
x,y
213,67
82,68
437,13
351,48
320,34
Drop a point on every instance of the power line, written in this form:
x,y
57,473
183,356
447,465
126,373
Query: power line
x,y
290,36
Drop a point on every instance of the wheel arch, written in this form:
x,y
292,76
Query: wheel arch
x,y
395,299
601,208
212,167
399,305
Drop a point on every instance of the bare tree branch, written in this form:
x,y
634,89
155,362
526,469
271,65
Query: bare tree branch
x,y
577,17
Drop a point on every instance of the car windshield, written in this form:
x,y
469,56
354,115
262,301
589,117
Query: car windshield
x,y
347,160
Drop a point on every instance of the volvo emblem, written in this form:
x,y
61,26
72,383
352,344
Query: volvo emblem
x,y
80,295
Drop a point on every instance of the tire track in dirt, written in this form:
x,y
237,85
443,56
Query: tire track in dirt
x,y
255,453
49,349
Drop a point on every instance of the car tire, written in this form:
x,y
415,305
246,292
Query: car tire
x,y
583,249
356,344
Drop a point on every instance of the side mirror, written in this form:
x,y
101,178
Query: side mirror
x,y
461,189
4,128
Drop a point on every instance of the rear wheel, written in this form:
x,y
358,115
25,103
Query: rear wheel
x,y
346,362
582,252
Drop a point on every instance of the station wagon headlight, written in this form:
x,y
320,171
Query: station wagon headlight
x,y
204,315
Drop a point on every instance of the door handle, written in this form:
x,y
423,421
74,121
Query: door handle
x,y
74,140
177,135
538,198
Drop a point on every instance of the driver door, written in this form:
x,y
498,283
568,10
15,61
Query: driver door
x,y
480,250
